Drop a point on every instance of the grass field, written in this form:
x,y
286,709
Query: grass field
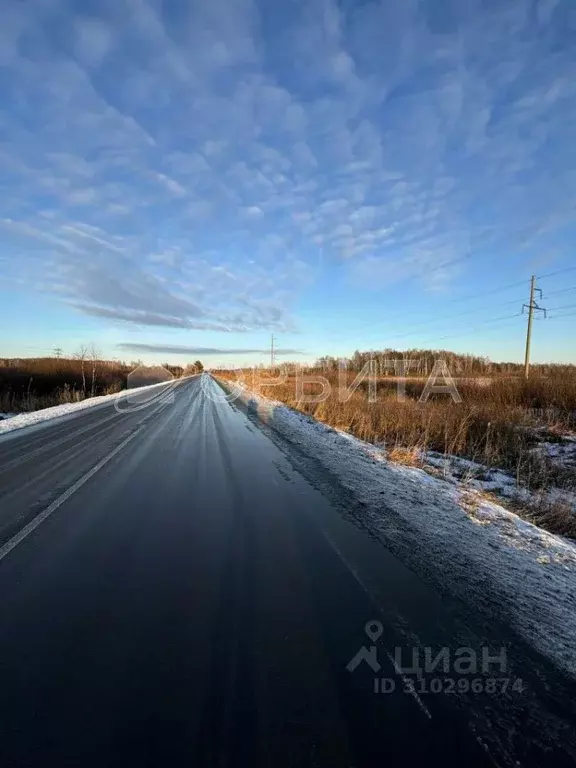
x,y
30,384
502,422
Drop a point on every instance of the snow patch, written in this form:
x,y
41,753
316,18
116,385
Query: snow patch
x,y
12,422
479,477
475,546
562,452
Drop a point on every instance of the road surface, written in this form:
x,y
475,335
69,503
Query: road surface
x,y
175,592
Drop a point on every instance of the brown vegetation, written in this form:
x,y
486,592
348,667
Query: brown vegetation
x,y
29,384
499,423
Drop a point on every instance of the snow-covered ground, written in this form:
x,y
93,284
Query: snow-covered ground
x,y
563,451
12,422
473,475
465,542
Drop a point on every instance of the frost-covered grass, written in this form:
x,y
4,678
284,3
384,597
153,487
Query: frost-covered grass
x,y
502,425
466,541
551,507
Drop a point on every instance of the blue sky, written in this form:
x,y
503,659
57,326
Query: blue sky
x,y
198,175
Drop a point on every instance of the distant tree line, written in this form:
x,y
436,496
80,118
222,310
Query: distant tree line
x,y
82,375
31,382
421,361
195,367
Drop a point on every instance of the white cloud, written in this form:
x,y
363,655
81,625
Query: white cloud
x,y
253,212
92,40
174,349
399,136
171,184
81,196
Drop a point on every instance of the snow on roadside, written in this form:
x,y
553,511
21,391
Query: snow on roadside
x,y
563,451
457,470
18,421
468,544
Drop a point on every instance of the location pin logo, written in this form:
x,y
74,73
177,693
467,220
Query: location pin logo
x,y
374,630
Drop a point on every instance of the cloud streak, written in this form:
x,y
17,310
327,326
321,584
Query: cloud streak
x,y
175,349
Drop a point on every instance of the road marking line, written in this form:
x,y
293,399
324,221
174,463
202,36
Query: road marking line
x,y
50,446
407,686
39,519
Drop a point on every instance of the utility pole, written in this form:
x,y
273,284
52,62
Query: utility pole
x,y
531,307
272,351
58,352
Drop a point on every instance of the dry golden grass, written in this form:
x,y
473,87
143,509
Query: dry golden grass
x,y
30,384
409,457
554,515
498,424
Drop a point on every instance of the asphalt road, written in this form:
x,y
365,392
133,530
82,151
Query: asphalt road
x,y
175,592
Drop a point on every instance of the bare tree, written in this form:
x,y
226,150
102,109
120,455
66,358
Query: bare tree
x,y
82,356
94,356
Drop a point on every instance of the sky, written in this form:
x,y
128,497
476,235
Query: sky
x,y
182,180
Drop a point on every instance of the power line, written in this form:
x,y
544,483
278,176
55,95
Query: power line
x,y
488,293
566,314
475,325
426,318
557,272
470,297
469,332
472,311
501,288
532,307
563,306
462,314
449,263
561,290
